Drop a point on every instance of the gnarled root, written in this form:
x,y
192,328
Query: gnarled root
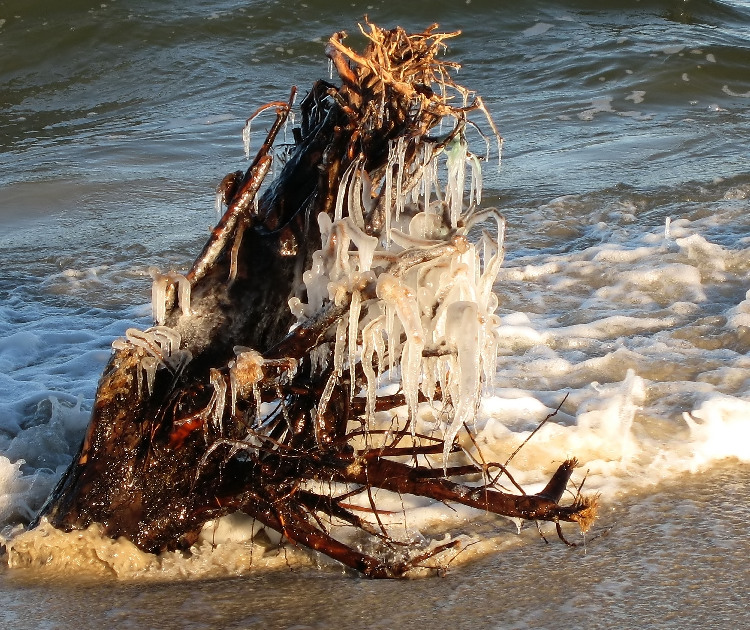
x,y
355,262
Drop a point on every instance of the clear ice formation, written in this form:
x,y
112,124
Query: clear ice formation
x,y
159,288
431,325
157,347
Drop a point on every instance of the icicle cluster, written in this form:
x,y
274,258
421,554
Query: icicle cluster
x,y
157,347
431,324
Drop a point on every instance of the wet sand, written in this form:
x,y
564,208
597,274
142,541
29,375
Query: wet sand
x,y
672,557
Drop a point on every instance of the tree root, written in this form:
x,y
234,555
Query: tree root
x,y
355,262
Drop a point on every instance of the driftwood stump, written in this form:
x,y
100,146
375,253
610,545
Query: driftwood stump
x,y
360,248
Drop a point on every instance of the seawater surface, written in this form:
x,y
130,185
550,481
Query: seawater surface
x,y
626,184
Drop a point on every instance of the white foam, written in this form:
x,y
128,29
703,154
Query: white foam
x,y
21,495
538,29
740,315
19,350
598,105
727,90
719,428
636,96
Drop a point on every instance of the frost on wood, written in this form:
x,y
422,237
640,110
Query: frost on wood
x,y
333,337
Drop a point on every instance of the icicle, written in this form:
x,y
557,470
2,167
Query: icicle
x,y
395,293
492,267
316,283
389,194
145,341
390,316
158,295
233,387
219,203
380,348
356,211
411,362
258,402
183,291
444,369
462,330
424,183
139,378
475,194
429,377
297,308
372,340
339,347
488,249
400,164
456,163
325,398
325,225
430,177
432,173
341,268
149,365
246,138
167,338
234,253
489,351
218,399
354,309
367,201
343,192
364,243
319,359
474,265
159,286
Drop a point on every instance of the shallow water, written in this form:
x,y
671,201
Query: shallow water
x,y
625,181
670,557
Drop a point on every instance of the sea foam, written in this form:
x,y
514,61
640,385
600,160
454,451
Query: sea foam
x,y
636,347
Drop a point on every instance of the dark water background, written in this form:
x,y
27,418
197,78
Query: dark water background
x,y
118,118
